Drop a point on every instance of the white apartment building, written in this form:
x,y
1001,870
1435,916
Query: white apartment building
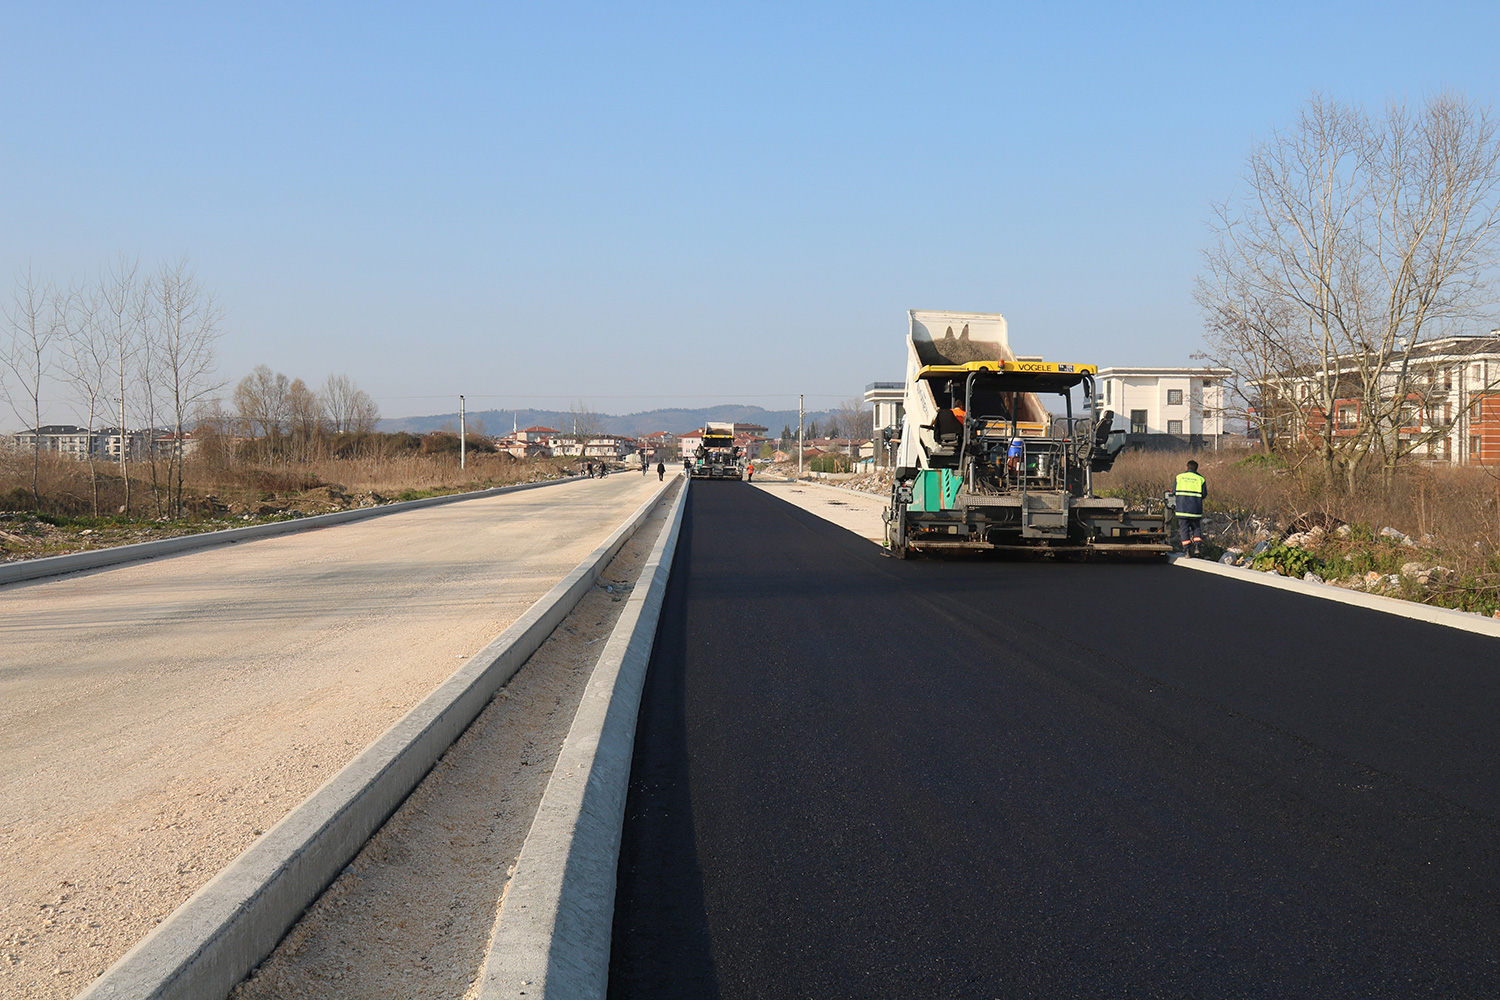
x,y
1166,407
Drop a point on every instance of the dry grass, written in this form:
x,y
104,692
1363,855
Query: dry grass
x,y
1452,515
65,488
1455,508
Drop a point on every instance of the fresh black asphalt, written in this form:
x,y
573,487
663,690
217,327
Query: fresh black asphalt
x,y
856,776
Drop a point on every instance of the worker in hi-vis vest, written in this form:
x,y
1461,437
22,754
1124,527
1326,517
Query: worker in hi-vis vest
x,y
1191,489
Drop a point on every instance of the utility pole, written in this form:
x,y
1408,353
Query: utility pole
x,y
800,414
463,433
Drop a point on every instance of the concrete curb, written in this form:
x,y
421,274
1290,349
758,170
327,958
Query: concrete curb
x,y
212,941
553,934
33,569
1389,605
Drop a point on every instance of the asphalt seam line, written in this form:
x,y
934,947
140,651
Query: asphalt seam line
x,y
212,941
552,936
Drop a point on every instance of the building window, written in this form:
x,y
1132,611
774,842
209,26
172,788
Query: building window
x,y
1447,449
1174,426
1306,390
1448,378
1174,397
1348,416
1137,421
1474,446
1107,387
1207,382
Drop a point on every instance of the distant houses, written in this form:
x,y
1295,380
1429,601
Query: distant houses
x,y
105,444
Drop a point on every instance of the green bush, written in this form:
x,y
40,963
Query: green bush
x,y
1288,560
830,463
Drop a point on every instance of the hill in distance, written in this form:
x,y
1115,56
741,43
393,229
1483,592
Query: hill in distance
x,y
675,421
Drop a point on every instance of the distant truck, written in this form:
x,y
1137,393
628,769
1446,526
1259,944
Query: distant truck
x,y
983,464
718,457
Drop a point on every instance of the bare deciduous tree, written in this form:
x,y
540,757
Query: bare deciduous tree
x,y
87,365
186,325
350,409
32,318
853,419
123,308
586,424
1355,238
305,419
260,400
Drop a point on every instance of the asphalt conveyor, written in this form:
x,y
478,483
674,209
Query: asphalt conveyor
x,y
861,777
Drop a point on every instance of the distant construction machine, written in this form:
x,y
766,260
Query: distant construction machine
x,y
718,457
983,465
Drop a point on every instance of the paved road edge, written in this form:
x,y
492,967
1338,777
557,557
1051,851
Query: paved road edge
x,y
212,941
1389,605
76,562
1447,617
552,936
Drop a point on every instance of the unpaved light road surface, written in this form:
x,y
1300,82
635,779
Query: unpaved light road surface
x,y
156,717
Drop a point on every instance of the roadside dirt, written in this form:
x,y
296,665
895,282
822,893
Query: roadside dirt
x,y
25,535
156,718
411,917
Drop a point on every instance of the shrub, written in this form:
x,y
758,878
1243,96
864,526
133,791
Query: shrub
x,y
1289,560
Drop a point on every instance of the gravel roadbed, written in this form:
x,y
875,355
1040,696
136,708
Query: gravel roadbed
x,y
157,717
411,917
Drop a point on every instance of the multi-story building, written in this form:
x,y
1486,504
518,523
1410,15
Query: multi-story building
x,y
61,439
1166,408
887,409
1452,388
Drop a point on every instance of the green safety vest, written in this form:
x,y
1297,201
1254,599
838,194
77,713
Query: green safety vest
x,y
1189,494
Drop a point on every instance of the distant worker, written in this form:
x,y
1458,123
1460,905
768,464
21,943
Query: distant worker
x,y
645,465
589,469
1191,489
750,472
661,471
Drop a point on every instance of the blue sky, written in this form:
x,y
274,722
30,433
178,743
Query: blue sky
x,y
658,204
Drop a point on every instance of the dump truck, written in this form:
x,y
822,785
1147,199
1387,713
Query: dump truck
x,y
984,463
718,457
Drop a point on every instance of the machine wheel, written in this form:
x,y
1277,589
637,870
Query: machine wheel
x,y
895,531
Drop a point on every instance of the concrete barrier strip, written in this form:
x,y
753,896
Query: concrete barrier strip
x,y
552,937
75,562
212,941
1448,617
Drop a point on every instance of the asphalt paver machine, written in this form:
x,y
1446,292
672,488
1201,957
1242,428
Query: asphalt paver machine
x,y
985,463
718,457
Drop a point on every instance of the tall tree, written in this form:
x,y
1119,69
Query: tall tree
x,y
187,324
305,418
853,418
350,409
123,308
260,400
1355,238
33,318
87,365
